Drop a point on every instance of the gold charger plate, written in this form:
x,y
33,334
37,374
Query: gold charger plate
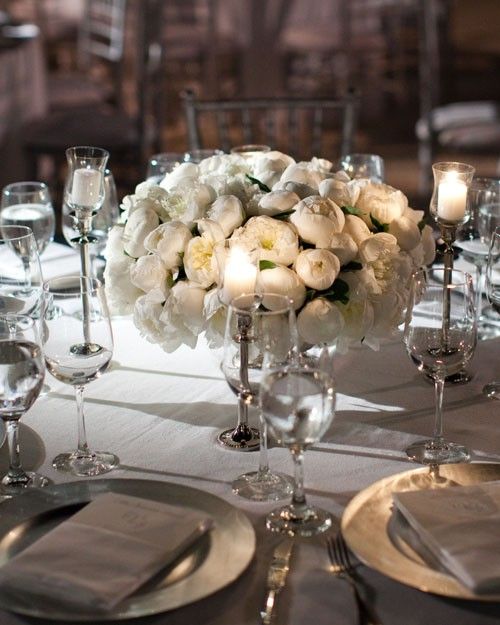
x,y
214,561
375,534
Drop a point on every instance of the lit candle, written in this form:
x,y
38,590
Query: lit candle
x,y
240,275
452,198
86,187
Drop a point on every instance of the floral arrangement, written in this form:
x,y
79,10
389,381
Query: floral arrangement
x,y
343,250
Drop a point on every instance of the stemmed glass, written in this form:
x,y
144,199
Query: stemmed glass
x,y
22,370
440,338
259,323
363,166
161,164
20,272
492,389
298,403
78,346
29,204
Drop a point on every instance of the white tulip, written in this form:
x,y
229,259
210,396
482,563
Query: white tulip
x,y
149,273
356,228
169,241
317,219
318,268
406,232
283,281
344,247
275,240
277,202
228,212
319,322
139,225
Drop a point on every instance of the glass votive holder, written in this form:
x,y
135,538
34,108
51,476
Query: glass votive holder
x,y
450,205
163,163
369,166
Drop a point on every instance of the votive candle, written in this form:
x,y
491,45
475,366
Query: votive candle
x,y
240,275
86,188
452,198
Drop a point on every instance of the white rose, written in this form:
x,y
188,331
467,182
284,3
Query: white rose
x,y
320,321
228,212
283,281
317,219
169,241
318,269
149,273
382,201
341,192
356,228
120,292
344,247
299,172
182,173
140,224
200,261
406,232
276,240
277,202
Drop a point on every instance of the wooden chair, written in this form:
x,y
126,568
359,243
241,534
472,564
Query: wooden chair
x,y
303,127
457,127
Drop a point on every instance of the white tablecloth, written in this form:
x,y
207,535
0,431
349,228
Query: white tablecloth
x,y
160,413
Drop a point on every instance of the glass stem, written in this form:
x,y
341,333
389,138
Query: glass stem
x,y
298,498
438,423
263,455
479,290
83,448
16,472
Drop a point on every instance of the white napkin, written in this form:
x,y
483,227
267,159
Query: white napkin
x,y
460,528
103,553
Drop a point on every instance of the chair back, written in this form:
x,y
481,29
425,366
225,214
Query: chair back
x,y
302,127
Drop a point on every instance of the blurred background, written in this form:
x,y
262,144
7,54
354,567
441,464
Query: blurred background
x,y
110,73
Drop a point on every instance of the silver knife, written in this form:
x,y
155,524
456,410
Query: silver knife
x,y
276,577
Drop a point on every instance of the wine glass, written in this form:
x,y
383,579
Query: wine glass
x,y
78,346
102,222
440,338
22,370
492,389
257,323
298,403
20,272
161,164
363,166
29,204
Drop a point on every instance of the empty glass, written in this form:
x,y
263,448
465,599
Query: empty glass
x,y
363,166
492,389
29,204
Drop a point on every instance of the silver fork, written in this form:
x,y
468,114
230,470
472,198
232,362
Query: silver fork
x,y
342,567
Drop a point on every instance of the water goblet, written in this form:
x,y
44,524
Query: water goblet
x,y
298,402
369,166
78,346
492,389
269,326
440,338
29,204
22,370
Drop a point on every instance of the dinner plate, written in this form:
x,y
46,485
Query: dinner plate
x,y
213,562
376,533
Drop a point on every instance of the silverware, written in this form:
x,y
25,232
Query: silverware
x,y
276,577
342,567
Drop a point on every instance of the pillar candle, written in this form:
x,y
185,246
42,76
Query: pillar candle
x,y
452,199
86,187
240,275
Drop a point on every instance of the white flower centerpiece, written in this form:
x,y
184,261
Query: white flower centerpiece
x,y
343,250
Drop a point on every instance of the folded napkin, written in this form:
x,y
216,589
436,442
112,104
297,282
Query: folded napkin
x,y
103,553
459,528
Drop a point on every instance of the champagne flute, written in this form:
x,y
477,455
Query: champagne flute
x,y
492,389
440,338
29,204
269,323
22,370
298,402
78,347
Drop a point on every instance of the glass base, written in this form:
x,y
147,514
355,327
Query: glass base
x,y
461,377
95,463
263,486
492,390
231,439
434,453
10,486
310,522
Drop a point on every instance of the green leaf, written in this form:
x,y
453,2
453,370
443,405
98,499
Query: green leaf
x,y
350,210
127,254
266,264
352,266
261,185
181,275
282,216
338,292
170,281
379,227
194,231
421,224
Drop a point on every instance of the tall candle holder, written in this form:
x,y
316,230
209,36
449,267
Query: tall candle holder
x,y
84,194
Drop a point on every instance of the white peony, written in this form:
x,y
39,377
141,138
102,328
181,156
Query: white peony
x,y
140,223
147,314
317,219
269,166
343,193
149,273
228,212
382,201
344,247
356,229
429,245
169,241
120,292
320,321
283,281
275,240
302,190
224,165
114,244
188,201
215,314
406,232
200,261
300,172
185,172
186,302
277,202
318,269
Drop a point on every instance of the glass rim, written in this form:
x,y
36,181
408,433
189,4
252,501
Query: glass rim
x,y
260,296
361,154
444,166
28,322
28,233
11,187
87,151
250,147
74,283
